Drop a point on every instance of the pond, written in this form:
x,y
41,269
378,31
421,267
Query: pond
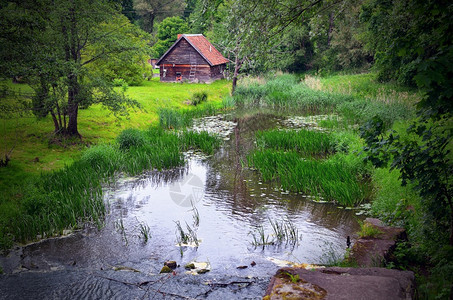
x,y
220,205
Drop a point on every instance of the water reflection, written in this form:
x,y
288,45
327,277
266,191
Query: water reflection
x,y
231,202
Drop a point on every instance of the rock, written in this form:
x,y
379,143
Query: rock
x,y
372,252
202,271
253,263
171,264
242,267
166,269
341,283
190,266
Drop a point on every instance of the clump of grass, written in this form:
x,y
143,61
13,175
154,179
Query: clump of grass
x,y
260,238
173,119
284,91
307,142
332,180
187,238
199,97
170,118
367,230
199,140
104,158
284,232
119,225
195,216
130,138
144,232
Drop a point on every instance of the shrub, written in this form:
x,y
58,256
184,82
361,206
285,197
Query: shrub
x,y
199,97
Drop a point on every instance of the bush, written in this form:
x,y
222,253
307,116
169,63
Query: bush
x,y
131,138
199,97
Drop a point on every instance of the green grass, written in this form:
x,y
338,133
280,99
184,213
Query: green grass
x,y
289,95
333,180
171,118
306,142
367,230
72,196
96,124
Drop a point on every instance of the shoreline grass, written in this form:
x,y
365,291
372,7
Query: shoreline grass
x,y
73,196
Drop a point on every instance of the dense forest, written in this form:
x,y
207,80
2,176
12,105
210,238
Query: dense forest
x,y
74,54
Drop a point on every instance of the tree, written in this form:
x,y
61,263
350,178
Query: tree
x,y
57,42
419,51
167,34
251,30
156,10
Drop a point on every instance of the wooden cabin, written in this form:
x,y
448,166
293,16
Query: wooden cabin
x,y
192,58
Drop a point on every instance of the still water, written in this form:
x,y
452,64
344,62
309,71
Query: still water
x,y
218,199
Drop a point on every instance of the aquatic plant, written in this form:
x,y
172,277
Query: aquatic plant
x,y
307,142
195,216
144,232
333,179
186,238
260,238
119,225
199,140
283,232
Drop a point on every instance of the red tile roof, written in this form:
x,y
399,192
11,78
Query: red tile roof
x,y
203,47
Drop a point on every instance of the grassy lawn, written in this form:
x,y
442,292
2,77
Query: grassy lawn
x,y
33,153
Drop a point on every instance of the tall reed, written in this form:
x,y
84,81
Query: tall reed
x,y
307,142
331,179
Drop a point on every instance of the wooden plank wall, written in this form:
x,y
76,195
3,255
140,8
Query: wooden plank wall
x,y
184,53
202,74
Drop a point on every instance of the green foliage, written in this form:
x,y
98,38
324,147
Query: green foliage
x,y
131,138
75,49
199,97
167,34
367,230
70,197
199,140
306,142
411,39
331,180
423,159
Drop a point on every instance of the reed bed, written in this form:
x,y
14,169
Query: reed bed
x,y
306,142
330,180
170,118
199,140
285,92
310,97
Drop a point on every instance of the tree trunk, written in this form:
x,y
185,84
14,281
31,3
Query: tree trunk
x,y
237,67
73,106
329,32
55,122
